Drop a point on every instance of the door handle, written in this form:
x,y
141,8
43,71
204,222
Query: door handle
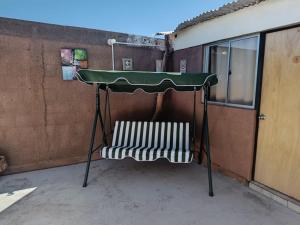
x,y
262,117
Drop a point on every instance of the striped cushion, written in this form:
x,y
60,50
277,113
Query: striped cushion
x,y
149,141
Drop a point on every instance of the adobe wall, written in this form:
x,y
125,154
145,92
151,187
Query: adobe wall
x,y
45,121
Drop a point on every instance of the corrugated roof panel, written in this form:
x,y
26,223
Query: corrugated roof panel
x,y
223,10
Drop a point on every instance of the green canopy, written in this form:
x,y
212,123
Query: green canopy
x,y
125,81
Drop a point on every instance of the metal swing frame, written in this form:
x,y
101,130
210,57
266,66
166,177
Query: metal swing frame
x,y
204,146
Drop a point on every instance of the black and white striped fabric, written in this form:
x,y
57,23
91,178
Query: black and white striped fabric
x,y
149,141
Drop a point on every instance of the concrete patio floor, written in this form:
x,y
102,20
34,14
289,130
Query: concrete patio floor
x,y
131,193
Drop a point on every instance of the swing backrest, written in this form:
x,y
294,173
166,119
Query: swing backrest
x,y
163,135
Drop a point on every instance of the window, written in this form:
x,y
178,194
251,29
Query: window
x,y
235,63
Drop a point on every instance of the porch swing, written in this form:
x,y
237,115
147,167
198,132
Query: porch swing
x,y
149,141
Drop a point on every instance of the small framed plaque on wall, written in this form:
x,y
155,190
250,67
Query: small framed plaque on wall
x,y
183,66
127,64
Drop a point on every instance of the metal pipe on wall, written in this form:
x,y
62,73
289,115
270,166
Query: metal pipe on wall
x,y
159,97
113,57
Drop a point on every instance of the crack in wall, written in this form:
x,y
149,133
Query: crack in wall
x,y
44,97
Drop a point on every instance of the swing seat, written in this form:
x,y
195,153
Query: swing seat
x,y
149,141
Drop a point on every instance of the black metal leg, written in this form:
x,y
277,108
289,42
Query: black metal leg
x,y
97,115
194,121
202,139
104,137
207,147
90,150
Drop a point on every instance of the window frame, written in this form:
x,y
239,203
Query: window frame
x,y
229,42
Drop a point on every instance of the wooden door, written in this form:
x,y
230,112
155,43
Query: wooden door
x,y
278,147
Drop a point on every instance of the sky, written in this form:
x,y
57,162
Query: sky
x,y
129,16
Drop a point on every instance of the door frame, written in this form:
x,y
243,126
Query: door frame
x,y
260,71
